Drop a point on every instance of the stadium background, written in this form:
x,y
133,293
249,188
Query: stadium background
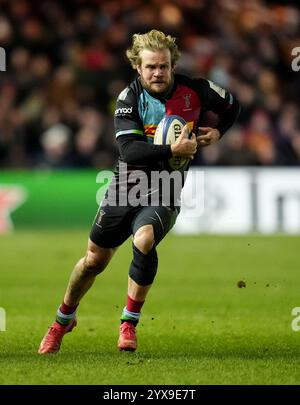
x,y
65,65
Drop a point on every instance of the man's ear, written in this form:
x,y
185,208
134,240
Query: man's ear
x,y
138,68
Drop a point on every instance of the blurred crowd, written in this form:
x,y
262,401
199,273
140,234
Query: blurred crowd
x,y
66,64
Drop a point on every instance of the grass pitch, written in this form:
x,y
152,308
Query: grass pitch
x,y
198,326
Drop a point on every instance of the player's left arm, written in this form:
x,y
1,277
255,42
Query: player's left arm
x,y
221,102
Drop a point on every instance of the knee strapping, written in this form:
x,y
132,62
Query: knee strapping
x,y
143,267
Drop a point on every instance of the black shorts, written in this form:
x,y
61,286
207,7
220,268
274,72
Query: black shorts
x,y
113,225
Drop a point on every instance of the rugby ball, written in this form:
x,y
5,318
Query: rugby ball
x,y
167,132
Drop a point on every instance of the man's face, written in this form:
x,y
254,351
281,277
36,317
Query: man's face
x,y
155,70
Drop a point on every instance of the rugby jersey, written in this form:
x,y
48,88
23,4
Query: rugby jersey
x,y
138,112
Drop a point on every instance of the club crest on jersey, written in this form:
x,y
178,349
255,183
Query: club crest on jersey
x,y
187,101
123,111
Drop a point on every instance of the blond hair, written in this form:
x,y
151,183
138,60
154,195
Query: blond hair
x,y
153,40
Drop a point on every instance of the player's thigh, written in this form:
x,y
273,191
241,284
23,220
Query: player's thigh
x,y
161,218
111,227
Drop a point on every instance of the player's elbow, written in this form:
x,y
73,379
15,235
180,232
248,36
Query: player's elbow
x,y
127,154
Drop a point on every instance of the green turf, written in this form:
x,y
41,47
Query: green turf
x,y
197,327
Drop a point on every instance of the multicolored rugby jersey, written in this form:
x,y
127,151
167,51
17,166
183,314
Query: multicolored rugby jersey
x,y
138,112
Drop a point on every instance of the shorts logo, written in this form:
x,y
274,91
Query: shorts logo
x,y
101,213
123,111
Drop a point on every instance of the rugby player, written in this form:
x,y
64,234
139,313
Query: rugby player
x,y
156,92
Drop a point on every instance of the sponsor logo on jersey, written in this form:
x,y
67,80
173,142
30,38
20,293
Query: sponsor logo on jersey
x,y
123,111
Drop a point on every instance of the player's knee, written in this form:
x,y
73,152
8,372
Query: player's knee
x,y
94,264
143,267
144,239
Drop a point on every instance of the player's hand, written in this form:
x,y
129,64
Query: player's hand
x,y
208,136
184,146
